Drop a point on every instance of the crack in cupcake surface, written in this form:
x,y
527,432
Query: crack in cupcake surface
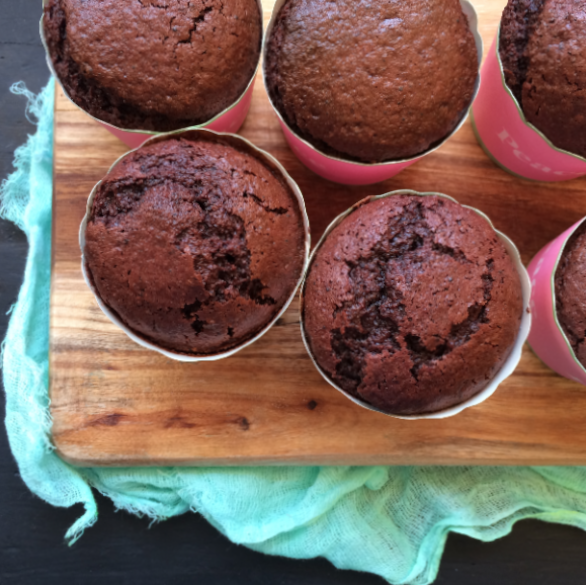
x,y
414,307
185,260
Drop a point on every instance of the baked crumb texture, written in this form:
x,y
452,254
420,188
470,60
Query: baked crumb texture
x,y
542,52
372,81
156,65
570,292
195,245
412,304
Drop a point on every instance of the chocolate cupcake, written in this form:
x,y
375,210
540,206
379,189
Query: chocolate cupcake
x,y
411,304
570,292
195,243
371,82
541,50
155,66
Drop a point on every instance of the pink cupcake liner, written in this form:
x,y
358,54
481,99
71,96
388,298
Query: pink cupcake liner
x,y
508,138
510,363
348,172
547,338
228,121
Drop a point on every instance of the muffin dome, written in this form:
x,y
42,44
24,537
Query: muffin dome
x,y
195,244
146,65
411,304
371,81
542,51
570,292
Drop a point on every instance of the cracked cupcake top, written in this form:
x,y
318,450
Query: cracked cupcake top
x,y
195,245
542,51
570,292
371,81
154,64
412,304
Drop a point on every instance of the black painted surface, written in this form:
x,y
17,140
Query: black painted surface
x,y
124,550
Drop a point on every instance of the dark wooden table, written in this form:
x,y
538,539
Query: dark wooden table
x,y
122,548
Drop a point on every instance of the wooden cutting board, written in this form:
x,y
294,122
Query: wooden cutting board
x,y
115,403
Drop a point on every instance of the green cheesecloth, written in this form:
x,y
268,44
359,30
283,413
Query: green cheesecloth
x,y
392,521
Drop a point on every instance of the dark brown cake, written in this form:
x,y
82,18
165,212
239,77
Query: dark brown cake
x,y
153,65
570,292
542,51
412,304
194,244
371,81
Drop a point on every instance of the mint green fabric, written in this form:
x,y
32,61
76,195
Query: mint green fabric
x,y
392,521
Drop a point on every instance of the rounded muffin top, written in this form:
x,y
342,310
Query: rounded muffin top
x,y
541,49
411,304
196,245
570,292
154,65
371,81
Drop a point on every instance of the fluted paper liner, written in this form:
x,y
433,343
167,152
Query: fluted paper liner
x,y
237,142
510,363
508,138
547,338
349,172
228,120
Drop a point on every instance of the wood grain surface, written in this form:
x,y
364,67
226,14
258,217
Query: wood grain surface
x,y
115,403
